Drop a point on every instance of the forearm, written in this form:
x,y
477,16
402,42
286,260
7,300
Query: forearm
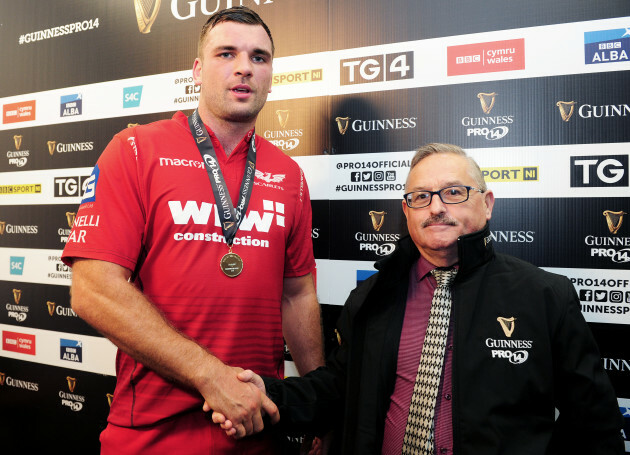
x,y
301,324
123,314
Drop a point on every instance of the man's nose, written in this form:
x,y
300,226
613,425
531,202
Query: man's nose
x,y
243,65
436,205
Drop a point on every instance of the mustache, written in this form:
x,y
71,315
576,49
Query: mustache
x,y
440,218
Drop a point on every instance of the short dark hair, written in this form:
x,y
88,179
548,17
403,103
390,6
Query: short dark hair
x,y
240,14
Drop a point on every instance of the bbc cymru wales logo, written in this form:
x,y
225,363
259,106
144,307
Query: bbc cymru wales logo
x,y
507,55
132,96
607,46
18,112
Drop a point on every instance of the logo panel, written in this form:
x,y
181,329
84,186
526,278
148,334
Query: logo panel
x,y
132,96
71,105
18,112
508,55
22,343
71,350
16,265
377,68
599,171
606,46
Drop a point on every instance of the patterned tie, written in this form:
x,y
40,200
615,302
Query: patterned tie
x,y
419,431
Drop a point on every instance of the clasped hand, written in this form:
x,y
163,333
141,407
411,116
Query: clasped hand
x,y
245,403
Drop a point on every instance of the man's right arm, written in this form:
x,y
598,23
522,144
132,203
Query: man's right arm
x,y
104,298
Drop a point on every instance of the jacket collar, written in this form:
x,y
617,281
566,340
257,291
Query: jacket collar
x,y
473,250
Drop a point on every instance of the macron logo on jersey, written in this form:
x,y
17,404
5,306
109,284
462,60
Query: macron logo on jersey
x,y
200,214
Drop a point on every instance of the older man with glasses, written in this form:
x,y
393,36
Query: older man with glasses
x,y
452,348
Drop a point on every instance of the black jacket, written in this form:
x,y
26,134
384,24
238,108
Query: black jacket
x,y
505,388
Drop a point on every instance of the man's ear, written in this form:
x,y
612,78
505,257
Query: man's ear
x,y
489,200
197,71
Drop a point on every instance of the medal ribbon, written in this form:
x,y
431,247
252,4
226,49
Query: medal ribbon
x,y
229,215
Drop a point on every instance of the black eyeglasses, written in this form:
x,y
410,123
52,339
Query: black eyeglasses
x,y
450,195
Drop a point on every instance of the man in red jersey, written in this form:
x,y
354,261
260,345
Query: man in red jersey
x,y
189,264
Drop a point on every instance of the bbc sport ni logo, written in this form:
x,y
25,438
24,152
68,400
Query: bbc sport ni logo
x,y
607,46
132,96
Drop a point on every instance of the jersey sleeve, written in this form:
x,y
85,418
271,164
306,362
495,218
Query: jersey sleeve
x,y
299,258
109,224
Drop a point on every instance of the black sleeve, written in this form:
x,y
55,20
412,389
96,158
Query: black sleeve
x,y
315,403
590,420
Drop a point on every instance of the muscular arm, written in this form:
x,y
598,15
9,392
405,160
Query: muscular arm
x,y
103,297
301,323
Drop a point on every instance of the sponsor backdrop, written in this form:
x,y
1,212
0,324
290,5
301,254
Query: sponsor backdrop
x,y
537,92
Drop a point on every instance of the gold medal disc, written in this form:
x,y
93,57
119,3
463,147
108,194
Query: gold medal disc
x,y
231,264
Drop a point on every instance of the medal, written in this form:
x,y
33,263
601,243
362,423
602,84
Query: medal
x,y
231,264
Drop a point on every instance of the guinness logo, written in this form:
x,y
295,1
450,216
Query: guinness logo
x,y
72,383
377,219
132,125
18,141
51,147
342,124
3,376
110,397
283,117
487,101
17,295
507,324
228,224
251,165
146,12
200,140
51,309
3,225
70,216
614,220
566,109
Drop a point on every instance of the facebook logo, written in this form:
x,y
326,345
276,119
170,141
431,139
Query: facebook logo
x,y
586,295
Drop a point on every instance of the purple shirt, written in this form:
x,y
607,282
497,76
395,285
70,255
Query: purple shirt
x,y
419,297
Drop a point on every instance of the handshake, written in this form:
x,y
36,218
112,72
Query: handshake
x,y
243,416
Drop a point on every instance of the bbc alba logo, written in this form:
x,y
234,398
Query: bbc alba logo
x,y
599,171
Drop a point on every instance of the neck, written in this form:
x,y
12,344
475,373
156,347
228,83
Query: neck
x,y
440,258
228,133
